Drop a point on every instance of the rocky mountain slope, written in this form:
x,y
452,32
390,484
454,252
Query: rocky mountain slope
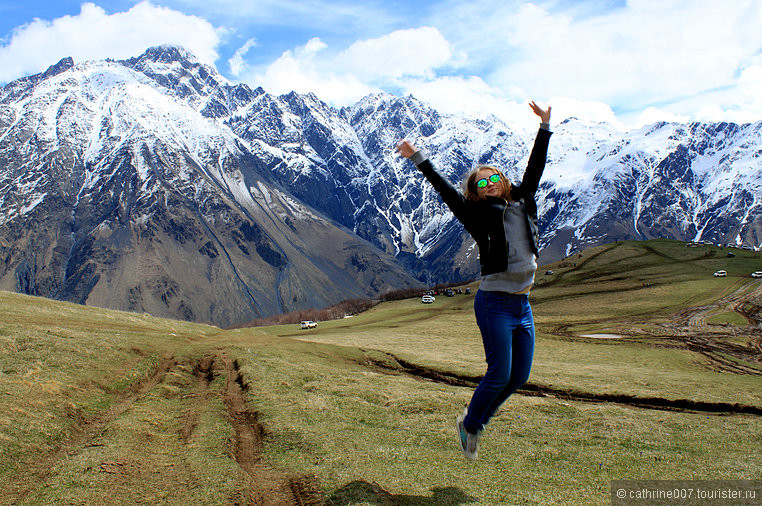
x,y
153,184
120,189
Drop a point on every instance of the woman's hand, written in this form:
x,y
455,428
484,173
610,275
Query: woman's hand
x,y
543,114
406,149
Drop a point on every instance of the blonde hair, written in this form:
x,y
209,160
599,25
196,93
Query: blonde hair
x,y
469,184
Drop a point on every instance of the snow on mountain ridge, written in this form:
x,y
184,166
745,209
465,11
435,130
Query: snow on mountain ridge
x,y
132,190
667,179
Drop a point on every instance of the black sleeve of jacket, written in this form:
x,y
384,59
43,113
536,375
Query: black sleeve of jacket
x,y
536,164
450,195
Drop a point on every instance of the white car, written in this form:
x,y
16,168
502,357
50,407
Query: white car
x,y
720,274
757,274
427,299
308,324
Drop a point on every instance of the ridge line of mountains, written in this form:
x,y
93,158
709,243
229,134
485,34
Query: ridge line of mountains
x,y
155,185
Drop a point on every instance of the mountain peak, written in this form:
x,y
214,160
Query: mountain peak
x,y
176,68
15,89
168,53
62,66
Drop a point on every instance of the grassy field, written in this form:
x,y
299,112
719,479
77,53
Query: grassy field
x,y
99,406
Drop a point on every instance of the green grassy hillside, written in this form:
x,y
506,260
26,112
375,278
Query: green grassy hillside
x,y
99,406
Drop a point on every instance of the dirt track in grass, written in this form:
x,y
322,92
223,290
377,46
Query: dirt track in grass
x,y
399,366
264,485
726,348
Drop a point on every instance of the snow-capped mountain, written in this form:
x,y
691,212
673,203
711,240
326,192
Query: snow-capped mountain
x,y
697,182
119,187
153,184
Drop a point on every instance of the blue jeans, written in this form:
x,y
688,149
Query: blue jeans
x,y
507,328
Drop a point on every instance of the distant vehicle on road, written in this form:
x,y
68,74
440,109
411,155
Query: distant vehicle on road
x,y
548,272
720,274
757,274
308,324
427,299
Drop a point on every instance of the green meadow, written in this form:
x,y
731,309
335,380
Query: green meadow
x,y
647,367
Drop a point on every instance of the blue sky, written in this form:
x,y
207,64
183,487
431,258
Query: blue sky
x,y
625,62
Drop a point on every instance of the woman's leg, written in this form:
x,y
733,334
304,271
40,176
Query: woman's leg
x,y
498,316
522,353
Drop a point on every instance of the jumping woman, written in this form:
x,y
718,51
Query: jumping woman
x,y
502,219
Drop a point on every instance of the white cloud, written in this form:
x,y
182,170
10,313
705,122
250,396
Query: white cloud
x,y
236,62
473,97
94,34
676,60
638,53
748,105
304,71
633,56
451,95
655,115
344,77
411,52
585,110
740,102
312,16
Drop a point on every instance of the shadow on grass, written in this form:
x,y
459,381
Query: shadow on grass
x,y
364,492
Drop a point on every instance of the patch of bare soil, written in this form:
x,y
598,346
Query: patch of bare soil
x,y
689,329
725,348
364,492
267,486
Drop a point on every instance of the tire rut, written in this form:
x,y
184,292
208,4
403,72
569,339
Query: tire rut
x,y
689,329
267,486
264,485
397,365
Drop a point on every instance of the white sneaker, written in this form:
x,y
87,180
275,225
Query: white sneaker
x,y
469,443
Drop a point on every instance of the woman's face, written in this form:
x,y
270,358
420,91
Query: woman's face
x,y
493,189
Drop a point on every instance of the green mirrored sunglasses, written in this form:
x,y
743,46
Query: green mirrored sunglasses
x,y
482,183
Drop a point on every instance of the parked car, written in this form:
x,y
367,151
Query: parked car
x,y
427,299
731,255
450,293
468,291
548,272
757,274
308,324
720,274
